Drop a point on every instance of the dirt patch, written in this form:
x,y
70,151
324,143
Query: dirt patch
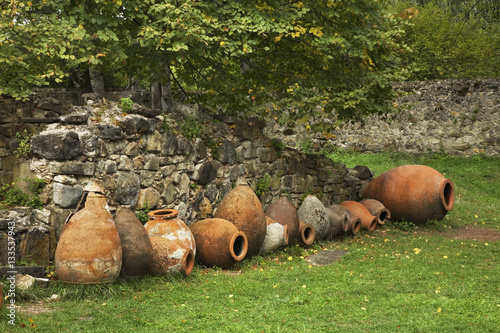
x,y
34,308
477,233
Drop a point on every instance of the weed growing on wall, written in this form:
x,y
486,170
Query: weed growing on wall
x,y
126,104
24,144
11,195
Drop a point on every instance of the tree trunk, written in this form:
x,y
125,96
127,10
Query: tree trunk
x,y
96,81
161,94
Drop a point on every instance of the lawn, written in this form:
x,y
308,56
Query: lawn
x,y
428,279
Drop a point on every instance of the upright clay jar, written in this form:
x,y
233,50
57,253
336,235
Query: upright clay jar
x,y
89,248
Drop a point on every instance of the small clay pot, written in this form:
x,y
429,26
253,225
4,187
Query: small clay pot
x,y
313,211
174,246
89,248
242,207
415,193
377,209
219,242
136,246
307,234
368,221
284,212
276,236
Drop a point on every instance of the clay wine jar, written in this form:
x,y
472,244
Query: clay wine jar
x,y
242,208
307,234
337,221
284,212
276,236
219,243
377,209
416,193
89,248
353,223
313,211
368,221
174,246
136,246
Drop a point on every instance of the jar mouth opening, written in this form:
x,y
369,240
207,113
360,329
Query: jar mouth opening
x,y
163,214
447,195
188,262
307,234
239,246
356,226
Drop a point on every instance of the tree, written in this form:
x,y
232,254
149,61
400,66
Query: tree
x,y
448,42
252,56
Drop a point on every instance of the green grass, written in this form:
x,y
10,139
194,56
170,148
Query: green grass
x,y
390,281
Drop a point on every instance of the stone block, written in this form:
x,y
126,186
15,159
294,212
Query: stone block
x,y
66,196
148,198
204,173
72,168
35,246
56,145
127,188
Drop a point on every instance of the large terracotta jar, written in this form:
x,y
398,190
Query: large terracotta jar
x,y
416,193
136,246
337,221
242,208
284,212
377,209
174,246
307,234
313,211
219,242
89,248
276,237
368,221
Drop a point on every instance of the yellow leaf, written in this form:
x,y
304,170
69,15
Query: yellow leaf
x,y
222,43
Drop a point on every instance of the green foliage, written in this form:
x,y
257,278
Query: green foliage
x,y
126,104
237,56
24,144
190,128
262,186
12,195
403,225
305,144
142,214
451,44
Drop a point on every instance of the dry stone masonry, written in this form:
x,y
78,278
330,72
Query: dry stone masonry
x,y
458,117
144,161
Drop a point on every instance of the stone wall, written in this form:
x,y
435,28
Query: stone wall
x,y
459,117
145,159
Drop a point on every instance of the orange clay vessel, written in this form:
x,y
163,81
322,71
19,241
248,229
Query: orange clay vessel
x,y
416,193
219,242
174,246
89,248
368,221
242,207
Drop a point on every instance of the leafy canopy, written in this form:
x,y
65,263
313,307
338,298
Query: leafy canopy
x,y
253,56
